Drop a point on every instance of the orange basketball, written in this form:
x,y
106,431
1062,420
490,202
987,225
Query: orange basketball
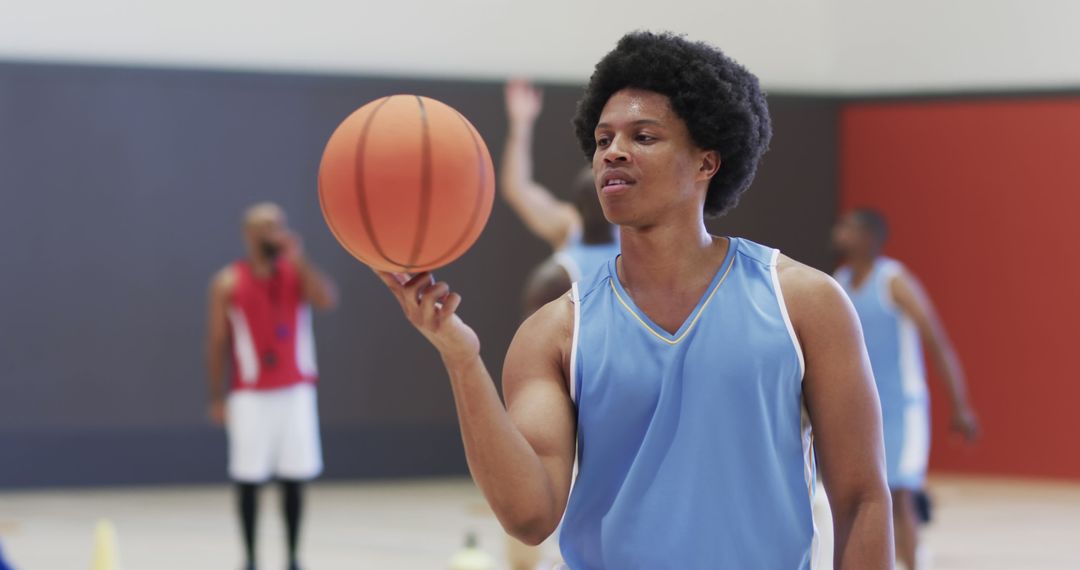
x,y
406,184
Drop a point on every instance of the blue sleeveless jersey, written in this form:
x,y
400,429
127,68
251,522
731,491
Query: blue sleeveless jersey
x,y
693,448
581,259
895,350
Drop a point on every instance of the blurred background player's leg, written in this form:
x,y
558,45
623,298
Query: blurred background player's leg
x,y
247,495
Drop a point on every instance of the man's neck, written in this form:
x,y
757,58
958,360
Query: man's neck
x,y
260,267
671,256
861,264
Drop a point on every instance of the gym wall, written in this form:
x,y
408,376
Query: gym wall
x,y
980,193
121,191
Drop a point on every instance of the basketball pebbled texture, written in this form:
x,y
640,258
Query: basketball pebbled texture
x,y
406,184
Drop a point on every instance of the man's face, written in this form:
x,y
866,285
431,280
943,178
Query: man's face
x,y
645,164
849,237
264,230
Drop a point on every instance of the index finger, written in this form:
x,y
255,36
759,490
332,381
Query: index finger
x,y
391,280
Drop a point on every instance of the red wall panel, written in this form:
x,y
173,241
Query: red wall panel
x,y
983,197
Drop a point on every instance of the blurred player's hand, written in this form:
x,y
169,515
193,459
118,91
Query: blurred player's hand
x,y
966,423
292,246
217,413
431,307
523,102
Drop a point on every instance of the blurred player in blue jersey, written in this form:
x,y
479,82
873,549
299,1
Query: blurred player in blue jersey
x,y
580,237
897,319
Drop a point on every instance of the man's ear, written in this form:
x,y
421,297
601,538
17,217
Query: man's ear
x,y
710,164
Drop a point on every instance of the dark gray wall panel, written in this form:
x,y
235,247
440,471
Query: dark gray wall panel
x,y
120,194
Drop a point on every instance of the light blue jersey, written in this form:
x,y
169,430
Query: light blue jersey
x,y
580,259
895,349
694,451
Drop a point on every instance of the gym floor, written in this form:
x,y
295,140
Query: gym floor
x,y
985,524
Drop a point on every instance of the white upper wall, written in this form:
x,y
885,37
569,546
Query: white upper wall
x,y
550,39
813,45
920,45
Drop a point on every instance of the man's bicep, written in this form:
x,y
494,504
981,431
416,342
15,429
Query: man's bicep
x,y
217,310
535,390
841,397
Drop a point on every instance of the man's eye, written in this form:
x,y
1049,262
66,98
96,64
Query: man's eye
x,y
645,138
602,141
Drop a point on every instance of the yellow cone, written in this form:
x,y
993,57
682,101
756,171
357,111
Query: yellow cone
x,y
106,556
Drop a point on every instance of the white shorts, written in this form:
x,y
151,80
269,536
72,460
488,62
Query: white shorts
x,y
274,433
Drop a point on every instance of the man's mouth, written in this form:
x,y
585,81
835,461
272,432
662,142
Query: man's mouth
x,y
613,184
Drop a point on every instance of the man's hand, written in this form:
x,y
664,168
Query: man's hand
x,y
217,413
966,423
430,307
523,103
292,246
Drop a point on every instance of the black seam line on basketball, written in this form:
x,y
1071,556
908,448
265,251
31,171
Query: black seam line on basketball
x,y
361,191
424,211
333,227
479,195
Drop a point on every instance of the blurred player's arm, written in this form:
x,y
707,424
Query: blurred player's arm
x,y
547,282
911,298
318,289
521,455
549,218
217,342
845,413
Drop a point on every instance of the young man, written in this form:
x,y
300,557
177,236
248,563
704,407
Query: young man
x,y
689,371
897,317
260,315
579,235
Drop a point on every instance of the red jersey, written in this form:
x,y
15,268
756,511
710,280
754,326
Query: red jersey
x,y
272,343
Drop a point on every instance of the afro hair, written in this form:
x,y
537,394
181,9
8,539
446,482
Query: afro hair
x,y
721,103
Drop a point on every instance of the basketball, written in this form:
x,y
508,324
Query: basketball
x,y
406,184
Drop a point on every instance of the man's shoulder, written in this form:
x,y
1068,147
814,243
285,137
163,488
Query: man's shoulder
x,y
554,316
224,280
551,328
802,283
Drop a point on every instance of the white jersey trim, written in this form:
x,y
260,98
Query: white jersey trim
x,y
575,298
566,261
916,448
784,312
807,435
243,347
810,476
912,372
890,269
305,342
